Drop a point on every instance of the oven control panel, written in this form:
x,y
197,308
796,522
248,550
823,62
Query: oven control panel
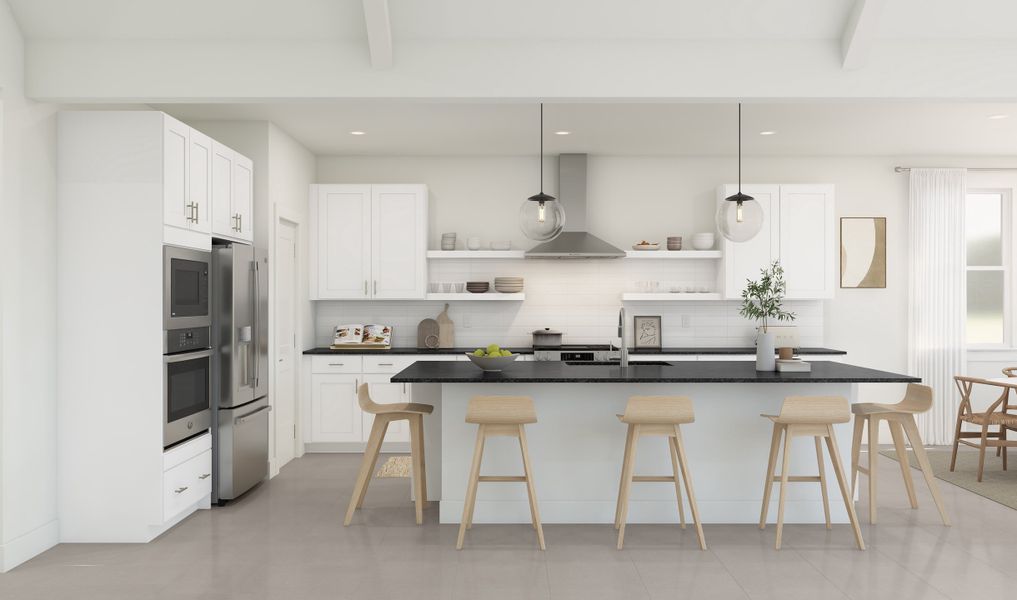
x,y
187,339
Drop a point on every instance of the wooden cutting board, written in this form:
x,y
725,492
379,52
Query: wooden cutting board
x,y
427,334
446,330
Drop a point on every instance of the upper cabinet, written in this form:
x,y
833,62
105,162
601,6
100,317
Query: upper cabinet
x,y
207,188
368,241
798,229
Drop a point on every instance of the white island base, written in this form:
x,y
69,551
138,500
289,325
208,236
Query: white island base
x,y
576,449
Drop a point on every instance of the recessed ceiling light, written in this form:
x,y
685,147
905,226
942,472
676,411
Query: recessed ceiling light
x,y
767,132
357,132
998,117
562,132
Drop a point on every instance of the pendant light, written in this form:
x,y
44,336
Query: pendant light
x,y
739,217
541,217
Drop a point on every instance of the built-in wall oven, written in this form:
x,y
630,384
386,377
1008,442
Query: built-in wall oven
x,y
187,348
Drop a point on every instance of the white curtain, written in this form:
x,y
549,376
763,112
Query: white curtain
x,y
937,307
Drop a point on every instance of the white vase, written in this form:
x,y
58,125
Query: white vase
x,y
765,359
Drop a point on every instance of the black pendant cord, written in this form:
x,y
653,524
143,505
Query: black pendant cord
x,y
541,148
739,148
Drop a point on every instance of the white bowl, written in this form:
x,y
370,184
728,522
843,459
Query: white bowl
x,y
703,241
491,363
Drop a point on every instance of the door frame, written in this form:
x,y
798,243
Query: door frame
x,y
291,217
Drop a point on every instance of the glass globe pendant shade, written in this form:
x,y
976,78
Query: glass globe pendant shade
x,y
739,218
541,217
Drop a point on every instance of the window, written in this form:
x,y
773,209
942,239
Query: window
x,y
987,224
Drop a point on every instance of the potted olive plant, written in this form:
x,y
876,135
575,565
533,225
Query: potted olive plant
x,y
762,300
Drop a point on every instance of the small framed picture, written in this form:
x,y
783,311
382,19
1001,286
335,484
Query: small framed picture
x,y
646,331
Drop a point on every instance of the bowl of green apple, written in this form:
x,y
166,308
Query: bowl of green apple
x,y
492,358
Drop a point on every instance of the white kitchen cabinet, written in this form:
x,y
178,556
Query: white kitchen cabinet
x,y
798,230
232,190
385,392
176,211
368,241
335,413
199,181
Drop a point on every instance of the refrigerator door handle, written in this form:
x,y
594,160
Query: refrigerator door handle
x,y
257,324
243,418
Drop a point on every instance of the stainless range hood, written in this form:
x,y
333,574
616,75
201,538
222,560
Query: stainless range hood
x,y
574,241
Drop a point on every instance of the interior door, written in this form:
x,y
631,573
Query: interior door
x,y
175,211
398,241
222,190
284,398
199,182
344,242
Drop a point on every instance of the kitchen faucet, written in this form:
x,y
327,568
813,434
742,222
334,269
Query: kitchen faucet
x,y
624,347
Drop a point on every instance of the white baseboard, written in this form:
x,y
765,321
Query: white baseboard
x,y
29,545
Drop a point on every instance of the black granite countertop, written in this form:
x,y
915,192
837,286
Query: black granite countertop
x,y
670,350
677,372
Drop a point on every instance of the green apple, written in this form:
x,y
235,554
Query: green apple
x,y
493,349
478,352
506,353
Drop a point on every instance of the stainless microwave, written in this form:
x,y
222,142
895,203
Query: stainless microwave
x,y
185,288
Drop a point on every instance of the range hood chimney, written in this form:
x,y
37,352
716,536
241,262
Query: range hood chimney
x,y
574,241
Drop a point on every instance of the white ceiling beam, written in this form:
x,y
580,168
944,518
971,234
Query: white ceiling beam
x,y
379,33
860,32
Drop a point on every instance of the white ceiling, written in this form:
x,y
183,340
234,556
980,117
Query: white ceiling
x,y
505,20
465,128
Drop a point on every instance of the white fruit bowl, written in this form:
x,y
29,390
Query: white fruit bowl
x,y
492,363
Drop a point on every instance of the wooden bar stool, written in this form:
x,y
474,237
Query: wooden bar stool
x,y
901,419
383,415
500,416
657,415
808,416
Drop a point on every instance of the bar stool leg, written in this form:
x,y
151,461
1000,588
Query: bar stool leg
x,y
831,443
856,450
771,469
530,490
897,431
630,459
621,479
923,461
683,464
416,452
471,488
673,447
822,480
873,454
788,430
423,459
367,466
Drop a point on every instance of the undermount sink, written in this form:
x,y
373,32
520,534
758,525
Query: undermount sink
x,y
614,363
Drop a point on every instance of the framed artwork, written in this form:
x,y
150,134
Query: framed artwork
x,y
863,252
646,332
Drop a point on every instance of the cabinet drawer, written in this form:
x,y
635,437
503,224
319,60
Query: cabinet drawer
x,y
186,451
337,364
186,483
387,364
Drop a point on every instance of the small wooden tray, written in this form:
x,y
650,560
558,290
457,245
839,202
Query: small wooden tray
x,y
360,347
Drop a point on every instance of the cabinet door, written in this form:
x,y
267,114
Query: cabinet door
x,y
199,178
335,413
399,241
743,260
807,240
385,392
243,197
343,242
222,190
175,188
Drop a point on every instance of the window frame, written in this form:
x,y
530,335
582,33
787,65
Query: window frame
x,y
1006,249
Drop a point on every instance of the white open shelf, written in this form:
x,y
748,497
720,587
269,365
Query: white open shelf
x,y
486,296
475,254
668,297
673,254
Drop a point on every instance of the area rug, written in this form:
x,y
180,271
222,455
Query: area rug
x,y
997,485
396,466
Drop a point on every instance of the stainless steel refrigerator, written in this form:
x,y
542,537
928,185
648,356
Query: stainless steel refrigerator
x,y
240,413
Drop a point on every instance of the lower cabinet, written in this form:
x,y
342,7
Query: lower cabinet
x,y
187,475
335,413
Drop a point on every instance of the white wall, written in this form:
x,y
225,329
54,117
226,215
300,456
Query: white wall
x,y
650,197
28,333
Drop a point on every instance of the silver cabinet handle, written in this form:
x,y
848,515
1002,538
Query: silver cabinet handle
x,y
375,287
365,287
204,476
180,490
335,364
385,364
240,222
196,213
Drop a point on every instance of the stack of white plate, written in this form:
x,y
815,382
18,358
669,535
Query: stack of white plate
x,y
508,285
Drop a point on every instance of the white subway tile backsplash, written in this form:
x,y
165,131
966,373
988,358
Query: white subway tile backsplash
x,y
579,298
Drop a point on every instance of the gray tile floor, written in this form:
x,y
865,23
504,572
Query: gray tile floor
x,y
286,540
